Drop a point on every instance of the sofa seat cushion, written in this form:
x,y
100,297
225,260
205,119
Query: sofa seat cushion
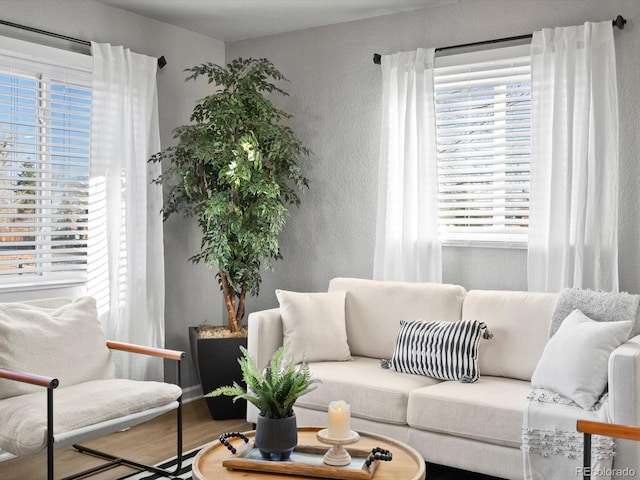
x,y
372,392
23,419
490,410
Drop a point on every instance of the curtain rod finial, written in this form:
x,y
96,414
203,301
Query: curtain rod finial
x,y
162,62
377,58
619,22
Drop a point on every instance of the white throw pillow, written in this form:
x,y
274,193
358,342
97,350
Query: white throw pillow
x,y
65,342
314,326
575,360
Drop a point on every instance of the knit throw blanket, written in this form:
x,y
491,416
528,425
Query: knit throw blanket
x,y
599,306
551,446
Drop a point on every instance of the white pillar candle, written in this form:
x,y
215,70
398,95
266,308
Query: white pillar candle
x,y
339,419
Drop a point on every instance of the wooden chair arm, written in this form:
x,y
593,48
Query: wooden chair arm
x,y
156,352
608,429
40,380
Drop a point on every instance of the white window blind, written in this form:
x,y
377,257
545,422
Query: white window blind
x,y
45,113
483,124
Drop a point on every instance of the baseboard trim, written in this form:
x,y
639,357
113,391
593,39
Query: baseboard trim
x,y
4,456
192,393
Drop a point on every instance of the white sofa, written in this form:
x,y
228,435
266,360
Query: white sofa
x,y
472,426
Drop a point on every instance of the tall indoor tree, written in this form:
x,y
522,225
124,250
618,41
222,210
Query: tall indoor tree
x,y
235,170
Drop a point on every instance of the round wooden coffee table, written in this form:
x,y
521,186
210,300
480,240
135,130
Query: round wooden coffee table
x,y
407,463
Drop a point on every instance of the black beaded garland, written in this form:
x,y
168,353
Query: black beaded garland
x,y
223,440
378,454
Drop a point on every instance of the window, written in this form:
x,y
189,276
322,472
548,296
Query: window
x,y
483,127
45,118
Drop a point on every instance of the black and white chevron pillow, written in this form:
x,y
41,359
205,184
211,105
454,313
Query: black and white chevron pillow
x,y
443,350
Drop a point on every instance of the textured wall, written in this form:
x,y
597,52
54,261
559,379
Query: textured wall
x,y
335,98
191,291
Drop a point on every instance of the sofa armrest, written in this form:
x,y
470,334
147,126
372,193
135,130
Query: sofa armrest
x,y
265,335
624,383
624,399
264,338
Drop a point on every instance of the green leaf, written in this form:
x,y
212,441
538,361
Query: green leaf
x,y
275,391
235,169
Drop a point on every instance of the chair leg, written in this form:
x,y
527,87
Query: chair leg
x,y
586,456
49,433
113,461
179,420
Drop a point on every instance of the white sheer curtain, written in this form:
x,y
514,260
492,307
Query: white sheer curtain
x,y
126,251
407,244
573,240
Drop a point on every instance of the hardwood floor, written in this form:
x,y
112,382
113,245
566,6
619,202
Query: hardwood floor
x,y
155,441
149,443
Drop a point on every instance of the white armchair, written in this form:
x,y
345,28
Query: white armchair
x,y
58,385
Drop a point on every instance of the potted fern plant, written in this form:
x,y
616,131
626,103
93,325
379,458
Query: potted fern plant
x,y
274,393
235,171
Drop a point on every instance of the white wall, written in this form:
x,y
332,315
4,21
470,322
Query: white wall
x,y
335,99
191,291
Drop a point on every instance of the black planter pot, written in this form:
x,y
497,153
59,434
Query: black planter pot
x,y
276,437
216,362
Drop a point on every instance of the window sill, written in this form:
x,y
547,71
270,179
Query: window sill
x,y
511,245
16,286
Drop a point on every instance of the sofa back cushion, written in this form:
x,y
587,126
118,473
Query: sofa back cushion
x,y
373,310
57,338
519,322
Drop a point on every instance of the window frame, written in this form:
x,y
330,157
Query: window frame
x,y
78,67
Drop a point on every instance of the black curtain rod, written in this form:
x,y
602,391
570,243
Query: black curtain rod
x,y
161,60
619,22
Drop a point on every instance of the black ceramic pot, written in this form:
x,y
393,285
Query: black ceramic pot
x,y
276,437
216,362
